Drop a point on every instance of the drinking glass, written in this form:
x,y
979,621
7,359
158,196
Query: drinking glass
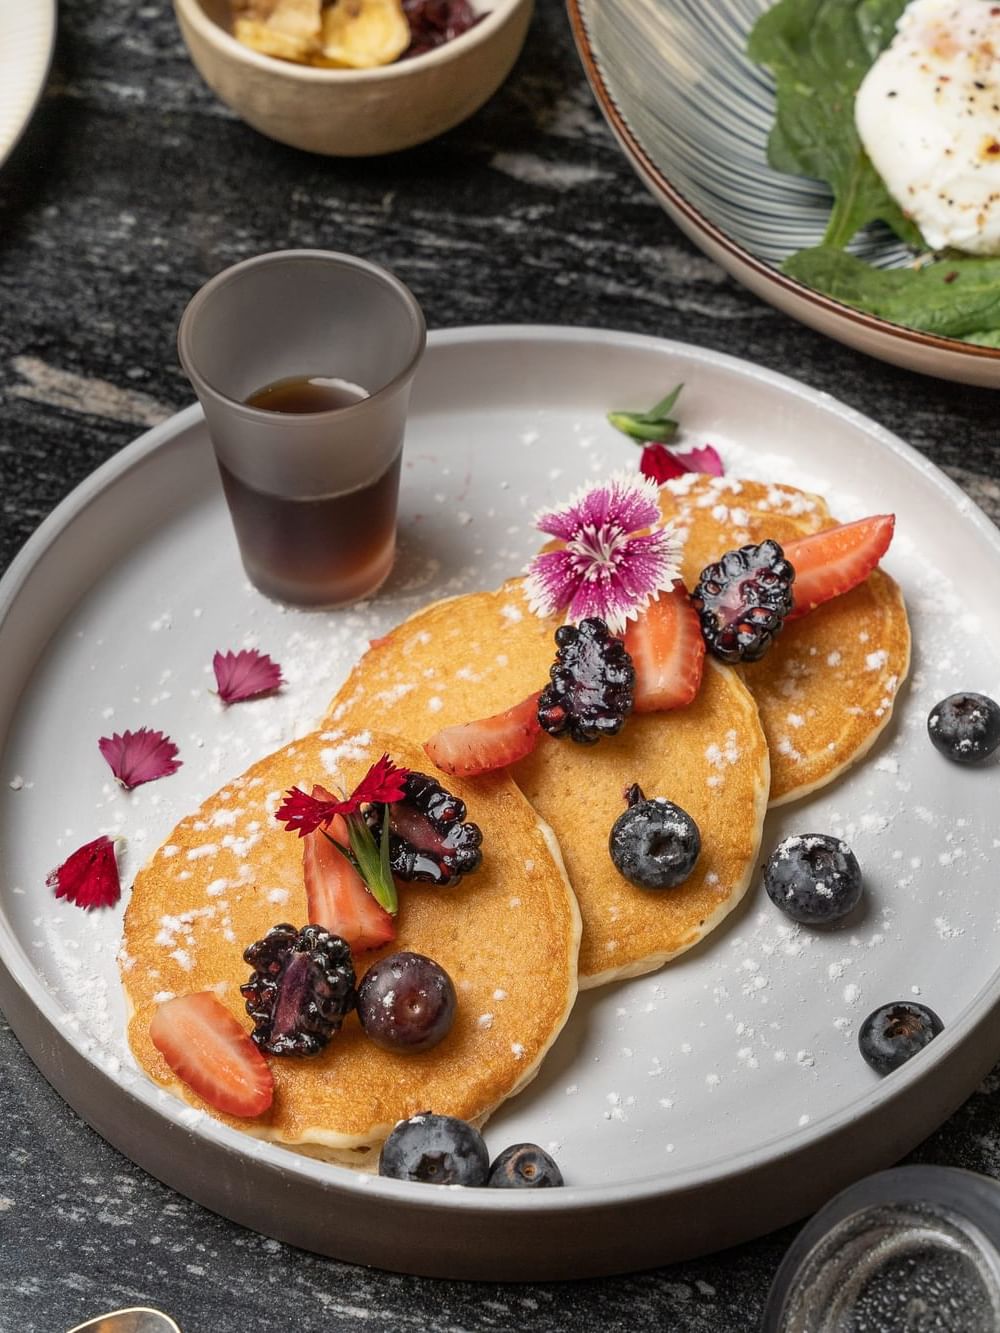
x,y
312,495
912,1250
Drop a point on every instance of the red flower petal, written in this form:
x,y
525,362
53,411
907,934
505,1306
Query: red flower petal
x,y
245,675
705,460
139,756
383,782
88,878
304,814
661,464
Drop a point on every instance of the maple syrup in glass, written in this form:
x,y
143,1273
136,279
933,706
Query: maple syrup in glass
x,y
315,551
307,393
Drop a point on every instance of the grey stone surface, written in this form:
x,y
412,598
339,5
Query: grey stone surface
x,y
130,188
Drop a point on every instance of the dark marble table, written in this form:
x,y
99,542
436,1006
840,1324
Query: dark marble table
x,y
131,187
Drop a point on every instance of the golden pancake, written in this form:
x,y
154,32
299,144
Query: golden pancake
x,y
508,935
710,759
826,688
477,655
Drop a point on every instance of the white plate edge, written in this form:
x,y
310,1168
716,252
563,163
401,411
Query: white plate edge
x,y
573,1196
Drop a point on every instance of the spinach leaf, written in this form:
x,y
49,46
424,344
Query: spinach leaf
x,y
989,339
819,51
952,297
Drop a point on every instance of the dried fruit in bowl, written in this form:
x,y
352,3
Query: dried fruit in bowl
x,y
360,34
342,34
287,29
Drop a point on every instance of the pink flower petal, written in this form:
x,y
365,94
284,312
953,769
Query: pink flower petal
x,y
88,878
661,464
625,503
552,581
705,459
139,756
619,592
304,814
245,675
603,570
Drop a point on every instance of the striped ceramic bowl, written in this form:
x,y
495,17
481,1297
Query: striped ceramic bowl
x,y
693,116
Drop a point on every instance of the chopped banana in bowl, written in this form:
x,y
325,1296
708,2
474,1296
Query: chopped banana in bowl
x,y
354,78
348,34
362,33
287,29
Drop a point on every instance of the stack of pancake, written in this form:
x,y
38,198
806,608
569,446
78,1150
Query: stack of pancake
x,y
510,934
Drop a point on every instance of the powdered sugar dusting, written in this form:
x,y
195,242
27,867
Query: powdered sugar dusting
x,y
731,1027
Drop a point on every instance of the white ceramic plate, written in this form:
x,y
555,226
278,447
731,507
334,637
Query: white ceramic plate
x,y
689,1108
27,34
693,114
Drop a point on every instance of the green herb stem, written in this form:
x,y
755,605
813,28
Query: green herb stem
x,y
655,426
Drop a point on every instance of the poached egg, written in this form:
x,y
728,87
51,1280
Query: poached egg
x,y
928,115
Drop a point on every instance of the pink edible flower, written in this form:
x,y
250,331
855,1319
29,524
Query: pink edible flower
x,y
139,756
88,878
245,675
605,568
661,464
304,814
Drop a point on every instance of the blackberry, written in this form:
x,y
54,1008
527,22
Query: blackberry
x,y
301,989
654,844
742,601
965,727
894,1033
435,1149
430,840
592,687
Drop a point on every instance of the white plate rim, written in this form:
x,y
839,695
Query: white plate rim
x,y
31,30
572,1197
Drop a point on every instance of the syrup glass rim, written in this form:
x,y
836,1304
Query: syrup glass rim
x,y
972,1198
234,272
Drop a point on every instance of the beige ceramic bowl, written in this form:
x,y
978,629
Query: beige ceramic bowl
x,y
356,112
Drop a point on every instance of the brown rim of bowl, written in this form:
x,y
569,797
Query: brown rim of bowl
x,y
223,40
641,158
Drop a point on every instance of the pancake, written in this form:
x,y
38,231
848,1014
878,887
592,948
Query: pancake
x,y
476,655
508,935
826,688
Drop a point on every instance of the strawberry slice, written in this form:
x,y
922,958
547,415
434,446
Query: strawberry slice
x,y
835,561
667,649
337,897
205,1046
493,742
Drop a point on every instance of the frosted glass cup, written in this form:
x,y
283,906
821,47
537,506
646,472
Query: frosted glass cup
x,y
312,494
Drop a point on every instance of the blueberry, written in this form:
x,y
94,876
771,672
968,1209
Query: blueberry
x,y
813,878
895,1032
654,844
435,1149
406,1002
524,1166
965,727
